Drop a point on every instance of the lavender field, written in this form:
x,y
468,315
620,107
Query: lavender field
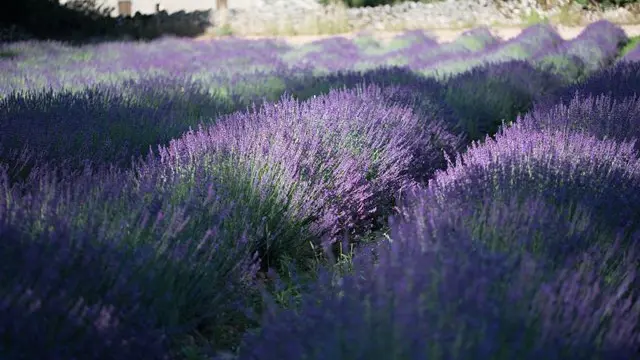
x,y
339,200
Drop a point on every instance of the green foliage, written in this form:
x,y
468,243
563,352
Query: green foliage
x,y
482,107
8,54
90,8
632,44
48,19
82,21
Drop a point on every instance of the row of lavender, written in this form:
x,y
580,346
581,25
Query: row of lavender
x,y
125,261
220,65
595,47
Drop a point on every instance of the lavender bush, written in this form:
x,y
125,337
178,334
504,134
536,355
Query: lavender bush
x,y
409,38
532,40
529,42
433,291
332,162
418,51
596,47
468,43
619,81
483,98
104,125
326,55
367,44
307,86
563,166
188,246
598,44
67,297
601,116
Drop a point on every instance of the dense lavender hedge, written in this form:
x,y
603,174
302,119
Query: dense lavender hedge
x,y
167,259
103,125
74,298
602,116
217,63
330,164
595,48
620,81
484,97
434,291
564,166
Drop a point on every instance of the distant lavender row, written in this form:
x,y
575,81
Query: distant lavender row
x,y
541,44
597,46
58,66
216,64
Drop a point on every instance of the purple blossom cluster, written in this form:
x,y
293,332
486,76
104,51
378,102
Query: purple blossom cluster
x,y
563,165
603,116
254,200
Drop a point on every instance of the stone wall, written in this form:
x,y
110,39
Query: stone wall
x,y
273,17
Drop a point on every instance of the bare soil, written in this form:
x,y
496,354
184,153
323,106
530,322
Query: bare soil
x,y
442,35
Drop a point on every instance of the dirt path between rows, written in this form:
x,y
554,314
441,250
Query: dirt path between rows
x,y
442,35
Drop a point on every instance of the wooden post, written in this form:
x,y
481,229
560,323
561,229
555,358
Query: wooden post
x,y
221,11
124,7
157,23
